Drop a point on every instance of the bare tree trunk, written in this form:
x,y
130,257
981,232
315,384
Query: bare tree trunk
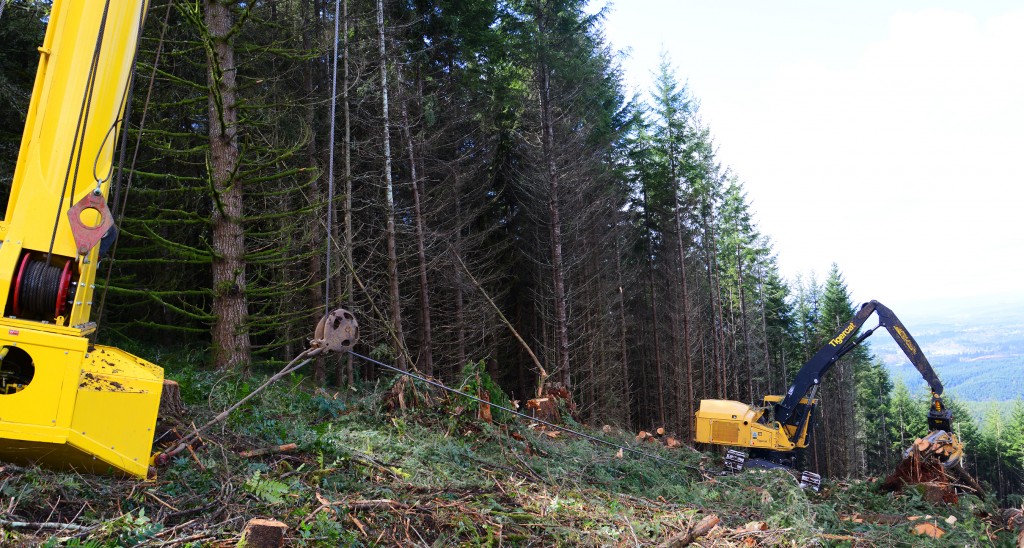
x,y
316,291
658,380
686,318
555,218
743,322
460,298
623,349
735,369
426,345
230,335
347,207
704,366
659,386
717,346
764,328
675,375
396,303
589,384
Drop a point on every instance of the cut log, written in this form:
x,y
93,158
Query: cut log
x,y
264,533
1013,518
661,430
268,450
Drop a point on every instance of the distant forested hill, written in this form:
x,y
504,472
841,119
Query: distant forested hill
x,y
978,352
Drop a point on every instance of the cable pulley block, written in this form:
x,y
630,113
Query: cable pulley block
x,y
338,331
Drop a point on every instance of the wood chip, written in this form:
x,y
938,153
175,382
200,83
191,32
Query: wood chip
x,y
929,530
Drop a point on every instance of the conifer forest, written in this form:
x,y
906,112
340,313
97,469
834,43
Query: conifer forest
x,y
474,181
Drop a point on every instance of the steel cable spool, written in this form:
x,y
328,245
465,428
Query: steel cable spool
x,y
42,290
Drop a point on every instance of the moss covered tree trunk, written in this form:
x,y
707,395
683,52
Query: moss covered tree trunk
x,y
230,338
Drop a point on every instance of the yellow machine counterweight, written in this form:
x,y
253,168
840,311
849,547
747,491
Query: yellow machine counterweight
x,y
63,401
733,423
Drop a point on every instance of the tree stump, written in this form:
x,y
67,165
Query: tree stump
x,y
264,533
170,400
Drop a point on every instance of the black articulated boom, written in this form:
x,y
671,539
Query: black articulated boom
x,y
809,377
775,431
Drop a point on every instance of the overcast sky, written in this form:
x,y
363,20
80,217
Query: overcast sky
x,y
888,139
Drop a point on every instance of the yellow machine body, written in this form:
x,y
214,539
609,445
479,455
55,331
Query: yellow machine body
x,y
64,402
736,424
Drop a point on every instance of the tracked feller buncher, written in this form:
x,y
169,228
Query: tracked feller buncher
x,y
65,402
770,436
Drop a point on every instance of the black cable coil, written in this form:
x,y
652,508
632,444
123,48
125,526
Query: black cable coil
x,y
40,285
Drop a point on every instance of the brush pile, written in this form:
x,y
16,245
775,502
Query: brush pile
x,y
934,464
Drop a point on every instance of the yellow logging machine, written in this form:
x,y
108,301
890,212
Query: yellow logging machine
x,y
65,402
775,432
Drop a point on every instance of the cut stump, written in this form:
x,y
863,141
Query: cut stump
x,y
170,400
264,533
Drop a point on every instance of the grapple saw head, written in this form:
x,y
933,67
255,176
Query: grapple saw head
x,y
941,445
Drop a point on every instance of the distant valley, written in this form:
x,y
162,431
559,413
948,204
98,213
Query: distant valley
x,y
978,352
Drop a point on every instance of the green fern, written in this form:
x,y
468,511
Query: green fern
x,y
269,490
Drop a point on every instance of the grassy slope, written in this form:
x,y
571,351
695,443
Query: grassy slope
x,y
438,476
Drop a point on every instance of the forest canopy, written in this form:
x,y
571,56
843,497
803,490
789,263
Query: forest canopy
x,y
486,185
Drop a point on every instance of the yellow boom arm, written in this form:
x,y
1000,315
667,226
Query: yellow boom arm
x,y
62,401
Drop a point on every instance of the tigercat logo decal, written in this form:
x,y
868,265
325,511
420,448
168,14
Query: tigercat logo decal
x,y
842,336
906,339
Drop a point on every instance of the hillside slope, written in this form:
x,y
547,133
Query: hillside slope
x,y
437,475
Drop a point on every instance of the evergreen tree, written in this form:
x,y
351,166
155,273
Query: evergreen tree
x,y
874,402
907,418
21,32
1015,434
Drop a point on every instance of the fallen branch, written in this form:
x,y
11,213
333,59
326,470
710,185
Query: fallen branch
x,y
268,450
838,537
542,374
372,504
302,359
44,525
702,528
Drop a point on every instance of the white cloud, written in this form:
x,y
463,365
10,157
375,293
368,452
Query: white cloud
x,y
903,166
